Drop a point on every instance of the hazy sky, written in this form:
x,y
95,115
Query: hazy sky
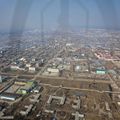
x,y
25,14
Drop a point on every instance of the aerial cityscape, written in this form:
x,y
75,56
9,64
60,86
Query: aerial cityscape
x,y
63,74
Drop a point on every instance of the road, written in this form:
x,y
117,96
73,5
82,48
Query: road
x,y
81,89
113,83
10,83
39,77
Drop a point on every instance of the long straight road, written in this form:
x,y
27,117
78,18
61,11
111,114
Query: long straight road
x,y
58,78
82,89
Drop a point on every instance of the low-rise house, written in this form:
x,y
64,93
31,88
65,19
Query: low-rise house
x,y
3,78
14,67
32,69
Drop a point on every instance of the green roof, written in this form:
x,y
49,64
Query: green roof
x,y
26,87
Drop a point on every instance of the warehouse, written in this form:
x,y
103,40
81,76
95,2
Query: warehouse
x,y
9,96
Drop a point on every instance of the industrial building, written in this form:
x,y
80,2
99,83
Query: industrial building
x,y
51,72
26,88
9,96
51,98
